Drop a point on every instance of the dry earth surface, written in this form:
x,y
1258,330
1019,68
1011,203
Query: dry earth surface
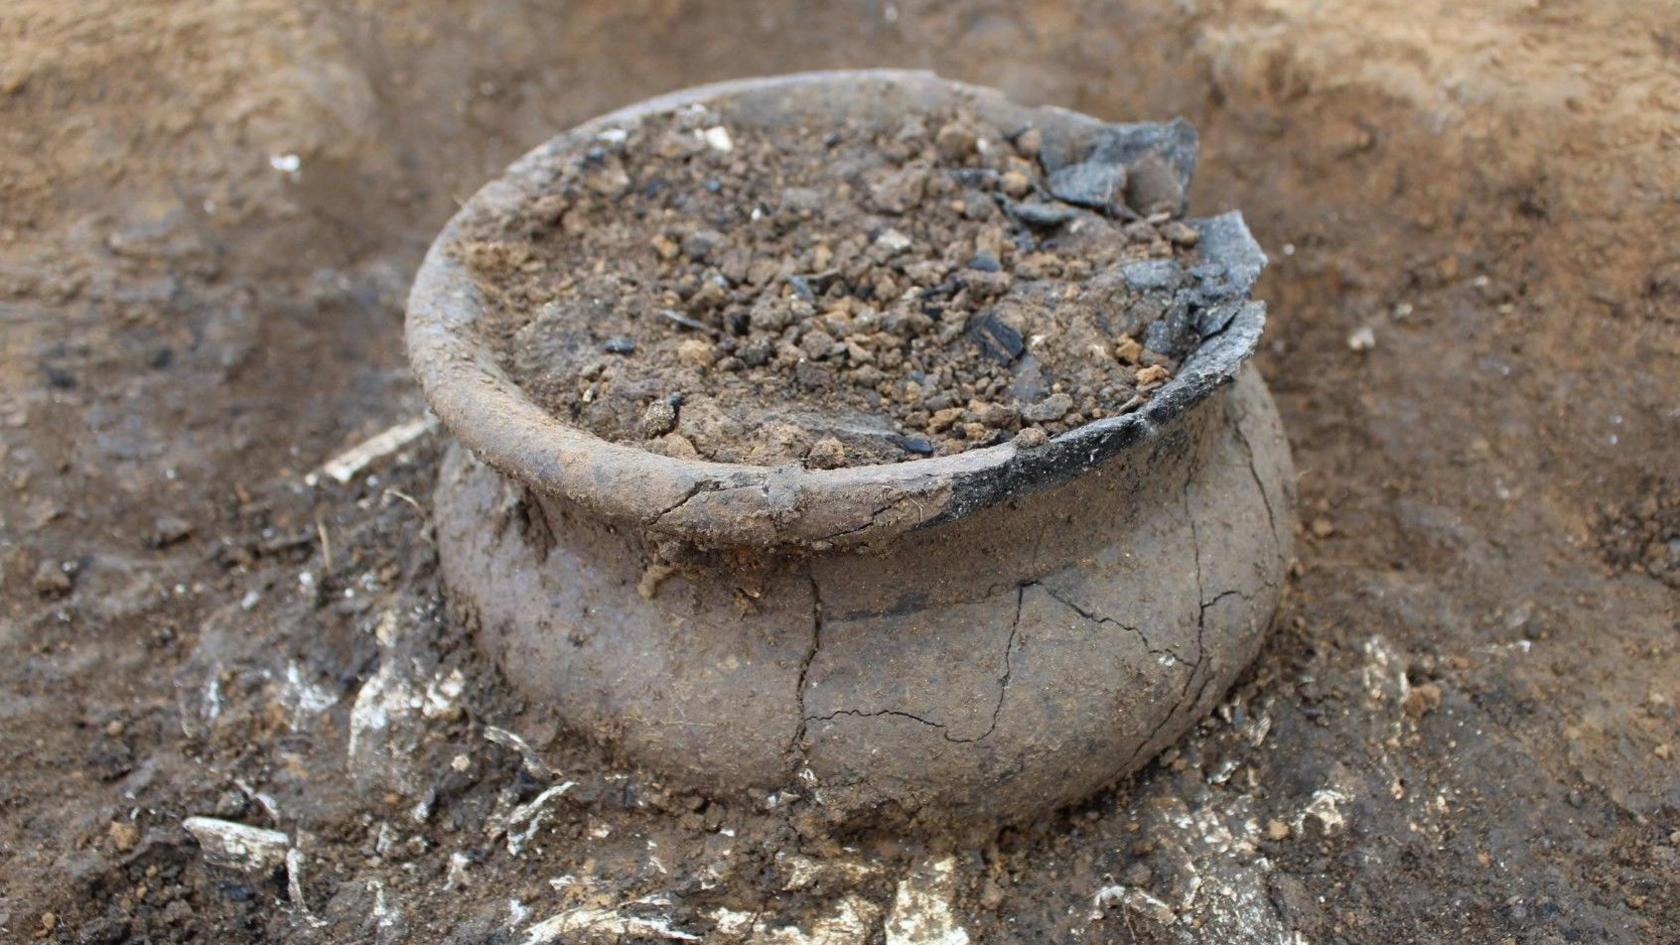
x,y
1464,729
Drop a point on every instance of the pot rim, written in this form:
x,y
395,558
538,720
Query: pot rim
x,y
710,504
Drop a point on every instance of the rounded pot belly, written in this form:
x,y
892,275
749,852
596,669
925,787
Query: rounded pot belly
x,y
989,668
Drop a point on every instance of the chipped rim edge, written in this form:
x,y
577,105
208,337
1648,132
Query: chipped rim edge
x,y
711,504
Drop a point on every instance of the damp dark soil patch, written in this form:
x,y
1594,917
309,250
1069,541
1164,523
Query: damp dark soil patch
x,y
836,296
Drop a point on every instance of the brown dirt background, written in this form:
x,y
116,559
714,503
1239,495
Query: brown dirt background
x,y
1492,188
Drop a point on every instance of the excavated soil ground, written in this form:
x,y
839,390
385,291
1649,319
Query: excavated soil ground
x,y
1464,728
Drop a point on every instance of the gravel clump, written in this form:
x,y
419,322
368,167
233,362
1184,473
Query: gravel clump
x,y
840,297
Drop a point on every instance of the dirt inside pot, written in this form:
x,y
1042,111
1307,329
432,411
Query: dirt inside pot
x,y
837,296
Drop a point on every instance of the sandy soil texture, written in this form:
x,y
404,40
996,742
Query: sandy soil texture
x,y
1464,729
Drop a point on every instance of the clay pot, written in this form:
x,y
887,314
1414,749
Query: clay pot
x,y
982,636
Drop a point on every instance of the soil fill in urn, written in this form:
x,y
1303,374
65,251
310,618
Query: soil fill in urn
x,y
861,436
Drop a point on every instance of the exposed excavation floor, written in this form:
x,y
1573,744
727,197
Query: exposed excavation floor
x,y
1465,728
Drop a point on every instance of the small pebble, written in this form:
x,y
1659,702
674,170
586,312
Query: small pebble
x,y
1362,339
1044,214
816,344
1421,700
51,580
1152,376
1323,527
658,419
985,262
995,415
169,529
1031,438
920,445
1277,830
1054,407
1180,233
893,241
826,453
955,141
802,199
123,835
1029,142
701,245
944,419
900,191
717,138
619,346
697,352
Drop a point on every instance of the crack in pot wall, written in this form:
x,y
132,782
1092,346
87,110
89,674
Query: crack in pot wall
x,y
997,709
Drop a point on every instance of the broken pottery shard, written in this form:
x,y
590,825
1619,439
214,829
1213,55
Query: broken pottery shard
x,y
1174,334
1232,260
1213,321
225,843
1161,158
1090,184
997,340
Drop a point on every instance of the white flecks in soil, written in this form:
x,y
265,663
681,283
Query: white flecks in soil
x,y
1324,807
534,765
1133,900
344,467
524,821
388,717
239,846
295,862
304,698
921,912
853,922
594,924
388,694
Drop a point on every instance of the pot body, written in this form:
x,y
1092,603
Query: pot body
x,y
990,667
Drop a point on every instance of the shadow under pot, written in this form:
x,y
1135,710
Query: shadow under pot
x,y
964,638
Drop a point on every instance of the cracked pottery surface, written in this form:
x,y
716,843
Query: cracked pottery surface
x,y
978,637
